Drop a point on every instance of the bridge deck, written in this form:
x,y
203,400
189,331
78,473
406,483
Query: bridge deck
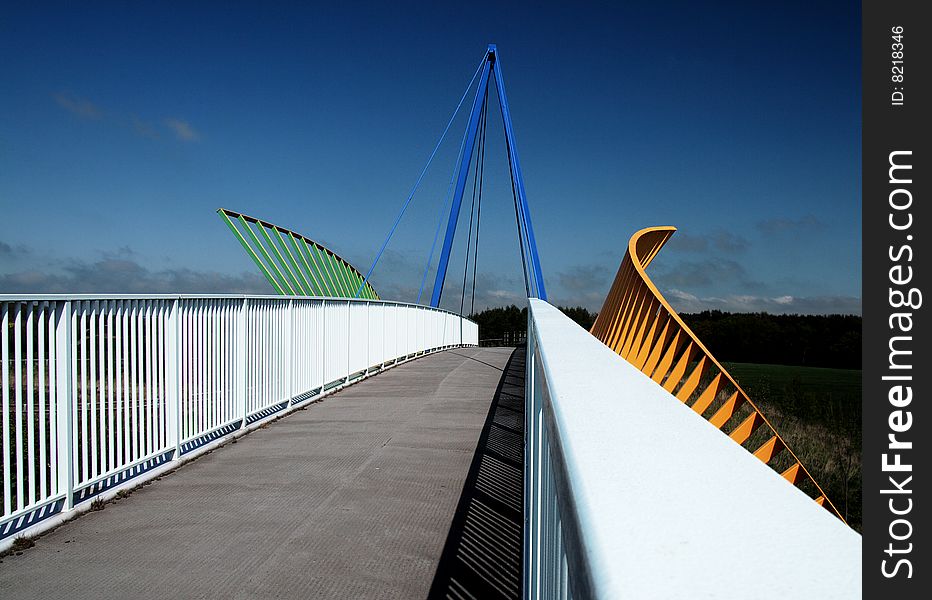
x,y
362,495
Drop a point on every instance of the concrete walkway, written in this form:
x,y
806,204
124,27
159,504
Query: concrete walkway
x,y
353,497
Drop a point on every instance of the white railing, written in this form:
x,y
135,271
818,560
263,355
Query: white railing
x,y
618,507
102,392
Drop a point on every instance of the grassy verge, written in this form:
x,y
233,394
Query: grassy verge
x,y
818,413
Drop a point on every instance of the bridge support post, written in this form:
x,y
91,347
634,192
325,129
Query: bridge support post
x,y
173,361
531,427
323,341
64,403
289,353
349,343
368,335
241,395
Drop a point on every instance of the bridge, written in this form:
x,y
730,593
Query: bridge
x,y
324,442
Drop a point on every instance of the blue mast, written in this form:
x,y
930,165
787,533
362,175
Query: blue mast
x,y
525,229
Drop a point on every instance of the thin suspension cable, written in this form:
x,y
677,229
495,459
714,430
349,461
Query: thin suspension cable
x,y
514,193
419,178
443,210
480,149
475,259
433,245
519,222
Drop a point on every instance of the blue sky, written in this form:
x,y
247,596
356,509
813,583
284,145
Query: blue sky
x,y
123,128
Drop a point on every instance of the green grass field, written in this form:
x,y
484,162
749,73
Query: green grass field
x,y
818,413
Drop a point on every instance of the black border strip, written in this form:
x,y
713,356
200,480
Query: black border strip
x,y
895,98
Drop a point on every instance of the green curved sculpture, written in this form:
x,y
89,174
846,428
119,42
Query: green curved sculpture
x,y
295,265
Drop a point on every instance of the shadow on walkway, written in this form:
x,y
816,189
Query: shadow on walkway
x,y
482,554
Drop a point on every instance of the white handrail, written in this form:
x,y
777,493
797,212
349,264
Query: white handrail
x,y
100,392
630,494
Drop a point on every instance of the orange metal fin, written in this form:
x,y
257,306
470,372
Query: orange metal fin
x,y
708,395
724,413
693,382
677,373
771,448
792,474
748,427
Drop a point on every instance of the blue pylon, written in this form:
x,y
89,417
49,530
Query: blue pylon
x,y
532,272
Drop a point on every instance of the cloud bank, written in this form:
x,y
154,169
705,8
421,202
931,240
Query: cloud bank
x,y
83,108
120,273
819,305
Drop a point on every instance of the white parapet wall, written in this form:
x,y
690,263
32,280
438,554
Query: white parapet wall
x,y
100,393
630,494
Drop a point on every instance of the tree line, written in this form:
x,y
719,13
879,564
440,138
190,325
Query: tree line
x,y
800,340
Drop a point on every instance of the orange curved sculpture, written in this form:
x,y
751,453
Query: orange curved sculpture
x,y
638,323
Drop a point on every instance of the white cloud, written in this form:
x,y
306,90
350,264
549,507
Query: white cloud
x,y
78,106
182,129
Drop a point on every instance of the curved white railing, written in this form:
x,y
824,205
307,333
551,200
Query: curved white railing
x,y
100,392
617,508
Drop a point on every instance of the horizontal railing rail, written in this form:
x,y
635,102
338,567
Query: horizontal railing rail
x,y
631,494
101,392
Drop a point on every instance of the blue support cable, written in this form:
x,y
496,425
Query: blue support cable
x,y
471,130
419,178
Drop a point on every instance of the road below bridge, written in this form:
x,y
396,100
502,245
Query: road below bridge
x,y
404,485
